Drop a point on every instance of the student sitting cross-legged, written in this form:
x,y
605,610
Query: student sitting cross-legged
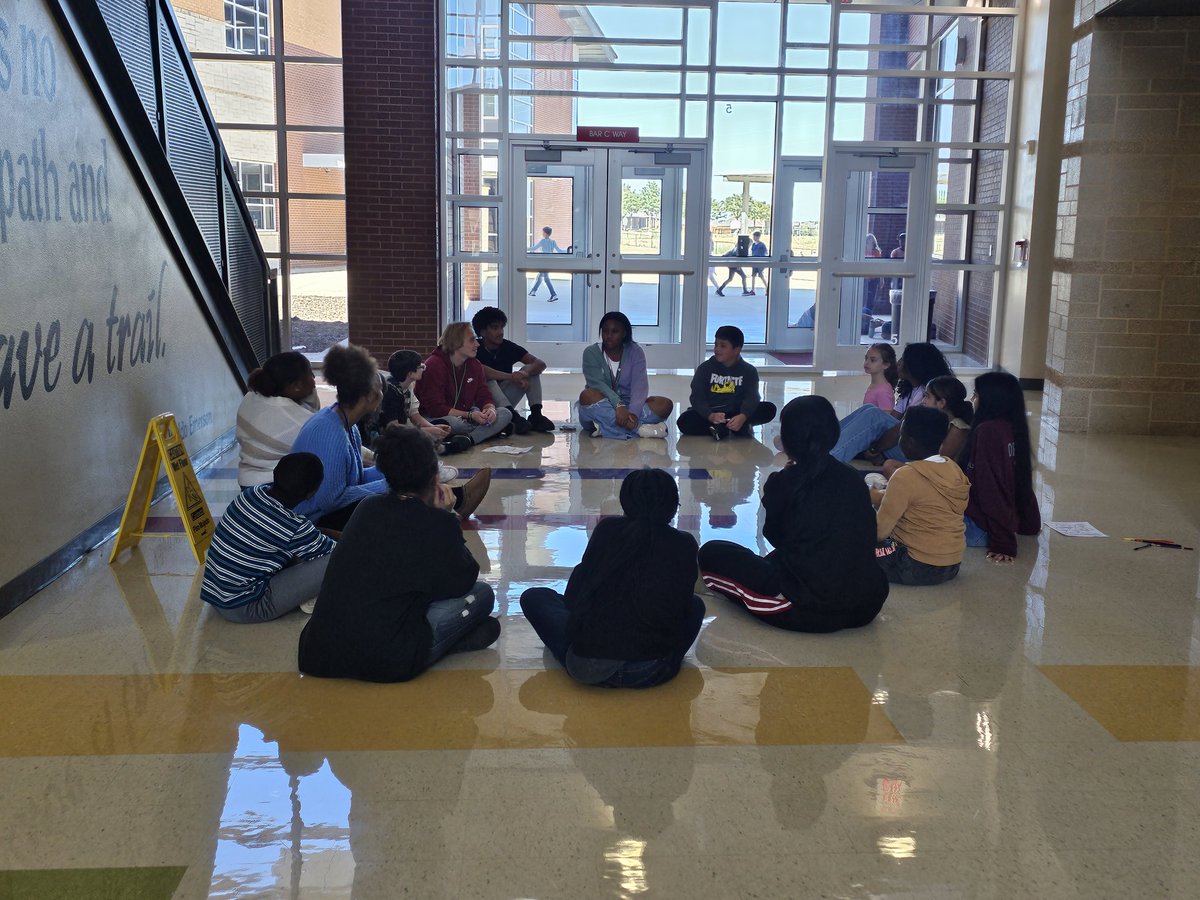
x,y
616,402
454,390
400,591
821,576
401,407
920,515
629,613
265,560
725,399
282,397
498,355
999,463
331,434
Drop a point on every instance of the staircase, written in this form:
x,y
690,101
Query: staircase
x,y
134,55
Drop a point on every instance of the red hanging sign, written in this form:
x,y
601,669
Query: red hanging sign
x,y
594,134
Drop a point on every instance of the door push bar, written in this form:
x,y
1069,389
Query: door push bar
x,y
651,272
560,269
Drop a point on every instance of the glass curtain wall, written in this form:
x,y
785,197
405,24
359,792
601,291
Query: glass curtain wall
x,y
761,82
272,73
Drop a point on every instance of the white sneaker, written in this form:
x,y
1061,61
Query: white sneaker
x,y
658,430
308,606
446,473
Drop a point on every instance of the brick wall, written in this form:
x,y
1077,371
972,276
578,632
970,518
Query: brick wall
x,y
390,107
1124,333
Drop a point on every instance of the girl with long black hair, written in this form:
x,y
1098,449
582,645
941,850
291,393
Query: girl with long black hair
x,y
871,430
629,613
998,459
822,575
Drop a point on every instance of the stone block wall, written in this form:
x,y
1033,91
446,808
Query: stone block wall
x,y
1124,333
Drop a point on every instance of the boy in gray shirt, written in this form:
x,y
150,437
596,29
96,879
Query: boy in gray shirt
x,y
724,396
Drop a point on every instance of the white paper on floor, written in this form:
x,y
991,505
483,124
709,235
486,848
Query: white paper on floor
x,y
1076,529
511,451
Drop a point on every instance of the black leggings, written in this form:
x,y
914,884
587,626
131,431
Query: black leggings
x,y
691,422
750,581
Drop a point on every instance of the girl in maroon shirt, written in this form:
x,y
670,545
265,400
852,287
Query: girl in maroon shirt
x,y
999,462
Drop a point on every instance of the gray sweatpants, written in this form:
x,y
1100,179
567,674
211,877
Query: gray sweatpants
x,y
477,433
285,592
509,393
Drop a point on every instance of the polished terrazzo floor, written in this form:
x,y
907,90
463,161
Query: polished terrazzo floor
x,y
1026,730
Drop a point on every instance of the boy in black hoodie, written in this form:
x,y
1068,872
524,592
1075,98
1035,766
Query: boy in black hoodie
x,y
633,633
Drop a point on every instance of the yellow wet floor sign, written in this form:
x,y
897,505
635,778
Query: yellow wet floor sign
x,y
164,444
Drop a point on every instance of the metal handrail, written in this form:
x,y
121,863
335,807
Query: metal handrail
x,y
144,142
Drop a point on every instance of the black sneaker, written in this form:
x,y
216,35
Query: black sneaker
x,y
538,422
481,636
520,424
457,443
717,431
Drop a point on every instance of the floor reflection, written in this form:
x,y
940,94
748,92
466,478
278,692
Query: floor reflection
x,y
1026,730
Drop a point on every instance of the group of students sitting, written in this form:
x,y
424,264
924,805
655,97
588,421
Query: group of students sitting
x,y
387,608
986,438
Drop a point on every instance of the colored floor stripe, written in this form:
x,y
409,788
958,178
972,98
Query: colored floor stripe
x,y
117,715
1135,703
213,474
585,474
142,883
502,522
506,522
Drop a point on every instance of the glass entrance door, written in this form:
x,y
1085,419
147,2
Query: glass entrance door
x,y
598,229
791,318
874,285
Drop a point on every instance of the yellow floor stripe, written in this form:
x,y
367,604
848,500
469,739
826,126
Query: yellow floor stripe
x,y
443,709
145,883
1136,703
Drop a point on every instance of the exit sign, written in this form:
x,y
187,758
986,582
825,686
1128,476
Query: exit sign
x,y
598,135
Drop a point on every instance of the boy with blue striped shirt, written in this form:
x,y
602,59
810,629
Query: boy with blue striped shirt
x,y
264,559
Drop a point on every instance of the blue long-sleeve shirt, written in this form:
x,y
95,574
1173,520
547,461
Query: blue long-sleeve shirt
x,y
340,450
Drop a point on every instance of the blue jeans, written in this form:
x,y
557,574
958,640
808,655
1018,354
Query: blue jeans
x,y
546,611
543,276
901,568
861,429
976,536
452,620
604,416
